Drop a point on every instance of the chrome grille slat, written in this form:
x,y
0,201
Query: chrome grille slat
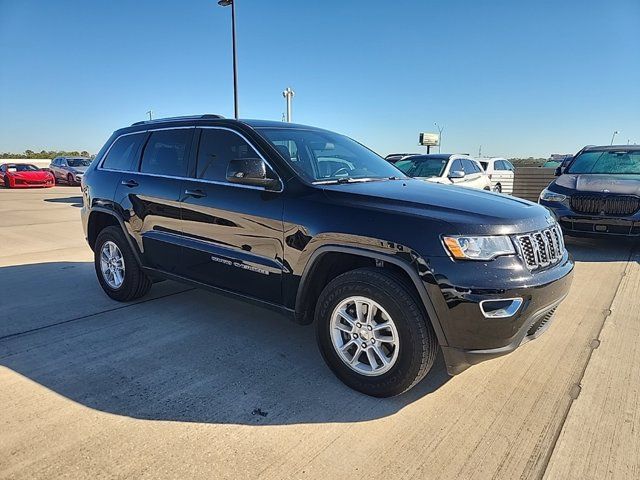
x,y
541,248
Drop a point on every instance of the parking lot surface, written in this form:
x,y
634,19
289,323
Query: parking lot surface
x,y
187,384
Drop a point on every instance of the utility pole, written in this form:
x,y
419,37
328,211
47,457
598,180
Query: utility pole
x,y
440,130
288,95
226,3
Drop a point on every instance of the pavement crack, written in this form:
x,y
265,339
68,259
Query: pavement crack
x,y
90,315
576,387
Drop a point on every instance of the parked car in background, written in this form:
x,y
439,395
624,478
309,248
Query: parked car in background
x,y
456,169
69,169
598,193
24,175
318,227
557,160
501,173
396,157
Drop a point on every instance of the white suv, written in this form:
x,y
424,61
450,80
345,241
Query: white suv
x,y
501,173
446,168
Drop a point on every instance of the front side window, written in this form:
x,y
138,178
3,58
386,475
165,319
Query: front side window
x,y
123,152
166,152
623,162
470,166
326,157
457,166
217,148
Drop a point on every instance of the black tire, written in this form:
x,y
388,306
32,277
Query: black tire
x,y
418,345
498,188
70,180
7,184
136,283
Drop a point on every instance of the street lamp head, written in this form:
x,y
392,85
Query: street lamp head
x,y
225,3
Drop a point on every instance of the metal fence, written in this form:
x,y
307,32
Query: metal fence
x,y
530,181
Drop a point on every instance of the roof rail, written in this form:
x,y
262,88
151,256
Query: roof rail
x,y
172,119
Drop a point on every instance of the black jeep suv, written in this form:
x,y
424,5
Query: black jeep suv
x,y
317,226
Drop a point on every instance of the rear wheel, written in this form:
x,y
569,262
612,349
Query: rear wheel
x,y
373,333
118,272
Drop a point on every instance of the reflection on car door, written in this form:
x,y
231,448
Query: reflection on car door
x,y
233,233
150,195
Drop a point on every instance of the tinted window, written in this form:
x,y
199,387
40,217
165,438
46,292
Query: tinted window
x,y
166,152
123,151
470,167
217,149
457,166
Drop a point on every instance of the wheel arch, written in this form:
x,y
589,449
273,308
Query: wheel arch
x,y
314,278
100,218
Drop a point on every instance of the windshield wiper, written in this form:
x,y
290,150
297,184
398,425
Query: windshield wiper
x,y
348,180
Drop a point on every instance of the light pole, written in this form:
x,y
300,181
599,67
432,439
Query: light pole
x,y
440,130
226,3
150,113
288,95
616,132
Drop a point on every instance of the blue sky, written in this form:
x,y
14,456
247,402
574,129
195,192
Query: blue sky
x,y
519,78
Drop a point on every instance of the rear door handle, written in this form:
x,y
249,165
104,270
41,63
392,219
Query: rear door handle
x,y
195,193
129,183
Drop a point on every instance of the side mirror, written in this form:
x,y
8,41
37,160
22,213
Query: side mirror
x,y
456,174
558,171
250,171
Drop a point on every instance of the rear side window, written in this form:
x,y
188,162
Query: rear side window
x,y
167,152
217,148
123,152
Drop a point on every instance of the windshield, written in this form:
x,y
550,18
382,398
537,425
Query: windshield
x,y
625,162
321,157
78,162
22,167
423,167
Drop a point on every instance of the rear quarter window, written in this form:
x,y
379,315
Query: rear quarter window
x,y
123,152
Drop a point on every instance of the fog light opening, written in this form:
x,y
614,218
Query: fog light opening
x,y
500,308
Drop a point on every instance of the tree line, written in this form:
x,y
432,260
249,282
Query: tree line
x,y
30,154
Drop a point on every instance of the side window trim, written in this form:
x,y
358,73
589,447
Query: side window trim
x,y
190,173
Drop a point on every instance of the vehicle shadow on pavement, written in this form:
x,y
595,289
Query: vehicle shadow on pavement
x,y
187,356
601,250
75,201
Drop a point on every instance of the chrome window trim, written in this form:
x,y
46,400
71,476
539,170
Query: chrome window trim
x,y
213,182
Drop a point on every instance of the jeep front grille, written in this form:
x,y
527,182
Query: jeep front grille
x,y
541,248
620,205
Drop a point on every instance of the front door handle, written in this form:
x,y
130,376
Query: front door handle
x,y
129,183
195,193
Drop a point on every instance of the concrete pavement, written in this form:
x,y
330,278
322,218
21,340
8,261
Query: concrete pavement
x,y
187,384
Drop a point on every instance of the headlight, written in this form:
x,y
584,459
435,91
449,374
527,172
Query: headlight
x,y
549,196
478,248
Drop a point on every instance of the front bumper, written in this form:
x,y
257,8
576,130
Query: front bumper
x,y
578,225
471,337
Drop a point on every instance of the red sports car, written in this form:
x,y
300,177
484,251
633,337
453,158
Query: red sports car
x,y
24,175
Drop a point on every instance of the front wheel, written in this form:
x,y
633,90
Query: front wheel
x,y
497,188
7,183
70,180
373,333
118,272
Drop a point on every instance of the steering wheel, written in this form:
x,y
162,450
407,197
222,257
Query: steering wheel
x,y
346,170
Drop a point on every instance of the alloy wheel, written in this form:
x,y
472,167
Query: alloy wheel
x,y
112,265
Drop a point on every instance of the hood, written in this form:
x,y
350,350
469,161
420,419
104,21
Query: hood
x,y
621,184
469,210
78,169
